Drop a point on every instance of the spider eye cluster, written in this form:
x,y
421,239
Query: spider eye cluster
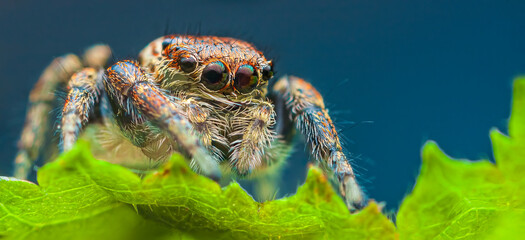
x,y
215,76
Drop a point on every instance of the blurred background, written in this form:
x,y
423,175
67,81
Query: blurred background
x,y
394,75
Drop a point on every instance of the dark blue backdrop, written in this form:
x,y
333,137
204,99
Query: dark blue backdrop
x,y
418,70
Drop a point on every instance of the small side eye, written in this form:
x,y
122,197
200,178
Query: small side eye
x,y
246,79
214,76
187,64
267,72
165,44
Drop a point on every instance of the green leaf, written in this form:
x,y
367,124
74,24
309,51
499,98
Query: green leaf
x,y
461,199
80,197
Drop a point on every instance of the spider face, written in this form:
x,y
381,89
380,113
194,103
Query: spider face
x,y
203,96
215,65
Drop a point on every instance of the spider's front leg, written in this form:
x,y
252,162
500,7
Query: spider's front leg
x,y
306,109
143,100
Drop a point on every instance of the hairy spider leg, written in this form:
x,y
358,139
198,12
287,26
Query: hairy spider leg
x,y
38,121
84,90
138,95
97,56
307,110
42,101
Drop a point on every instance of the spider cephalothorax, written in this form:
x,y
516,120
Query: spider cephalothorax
x,y
206,97
211,67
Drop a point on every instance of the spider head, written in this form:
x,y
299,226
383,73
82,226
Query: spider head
x,y
214,65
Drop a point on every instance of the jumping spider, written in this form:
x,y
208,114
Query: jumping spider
x,y
204,96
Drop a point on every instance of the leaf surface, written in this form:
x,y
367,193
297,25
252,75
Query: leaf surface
x,y
80,197
462,199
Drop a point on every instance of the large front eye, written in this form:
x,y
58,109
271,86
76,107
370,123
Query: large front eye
x,y
214,76
187,64
246,79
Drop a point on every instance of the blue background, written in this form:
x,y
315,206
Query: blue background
x,y
402,71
